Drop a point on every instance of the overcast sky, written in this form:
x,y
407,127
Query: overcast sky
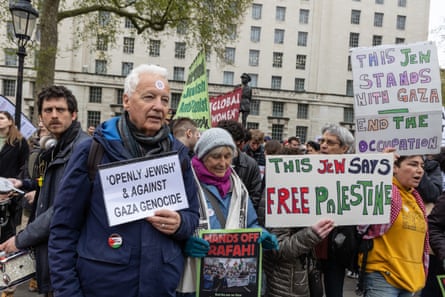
x,y
437,19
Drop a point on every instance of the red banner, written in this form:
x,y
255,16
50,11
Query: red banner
x,y
225,106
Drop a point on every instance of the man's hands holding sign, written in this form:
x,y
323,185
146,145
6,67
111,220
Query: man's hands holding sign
x,y
166,221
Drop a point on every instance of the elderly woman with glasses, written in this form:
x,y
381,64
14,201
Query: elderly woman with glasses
x,y
336,139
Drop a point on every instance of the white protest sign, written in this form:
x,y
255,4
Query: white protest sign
x,y
397,98
350,189
135,189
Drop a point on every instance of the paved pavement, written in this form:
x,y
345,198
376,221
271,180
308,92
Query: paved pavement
x,y
22,290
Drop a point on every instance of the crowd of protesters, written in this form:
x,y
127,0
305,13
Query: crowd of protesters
x,y
78,253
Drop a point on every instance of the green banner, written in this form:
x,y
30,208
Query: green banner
x,y
194,101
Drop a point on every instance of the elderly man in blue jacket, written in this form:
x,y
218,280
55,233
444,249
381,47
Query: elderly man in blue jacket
x,y
88,257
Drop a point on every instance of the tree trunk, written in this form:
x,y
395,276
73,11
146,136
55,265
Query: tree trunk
x,y
48,49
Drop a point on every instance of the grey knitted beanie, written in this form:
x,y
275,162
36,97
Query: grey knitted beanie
x,y
213,138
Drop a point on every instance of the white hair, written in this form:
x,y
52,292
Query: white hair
x,y
132,79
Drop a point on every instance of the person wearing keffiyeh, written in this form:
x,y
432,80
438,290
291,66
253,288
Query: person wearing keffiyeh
x,y
397,264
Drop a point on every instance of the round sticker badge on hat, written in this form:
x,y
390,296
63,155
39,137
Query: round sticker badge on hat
x,y
115,241
159,84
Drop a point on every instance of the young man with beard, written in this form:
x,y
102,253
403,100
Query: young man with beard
x,y
57,108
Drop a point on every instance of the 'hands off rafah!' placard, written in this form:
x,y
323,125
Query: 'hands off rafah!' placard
x,y
135,189
350,189
397,98
232,266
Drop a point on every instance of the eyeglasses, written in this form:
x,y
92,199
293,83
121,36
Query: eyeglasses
x,y
329,142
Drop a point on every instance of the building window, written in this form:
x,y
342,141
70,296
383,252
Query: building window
x,y
255,34
101,67
304,16
349,63
355,16
232,30
119,96
301,132
353,39
401,3
301,62
401,20
9,87
128,24
95,95
104,18
377,40
10,30
229,55
302,39
38,32
277,60
178,73
379,1
181,28
280,13
256,11
228,77
302,111
349,88
93,118
279,36
255,107
277,132
126,68
128,45
174,102
252,126
299,84
400,40
348,115
10,57
254,57
102,42
277,109
275,82
180,50
378,19
154,48
254,80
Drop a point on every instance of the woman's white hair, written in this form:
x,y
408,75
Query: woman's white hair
x,y
132,79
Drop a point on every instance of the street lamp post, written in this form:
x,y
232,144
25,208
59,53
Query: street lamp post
x,y
24,18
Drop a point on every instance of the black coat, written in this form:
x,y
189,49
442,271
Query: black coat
x,y
436,227
13,159
249,172
12,164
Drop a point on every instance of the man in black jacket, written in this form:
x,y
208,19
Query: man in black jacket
x,y
245,166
